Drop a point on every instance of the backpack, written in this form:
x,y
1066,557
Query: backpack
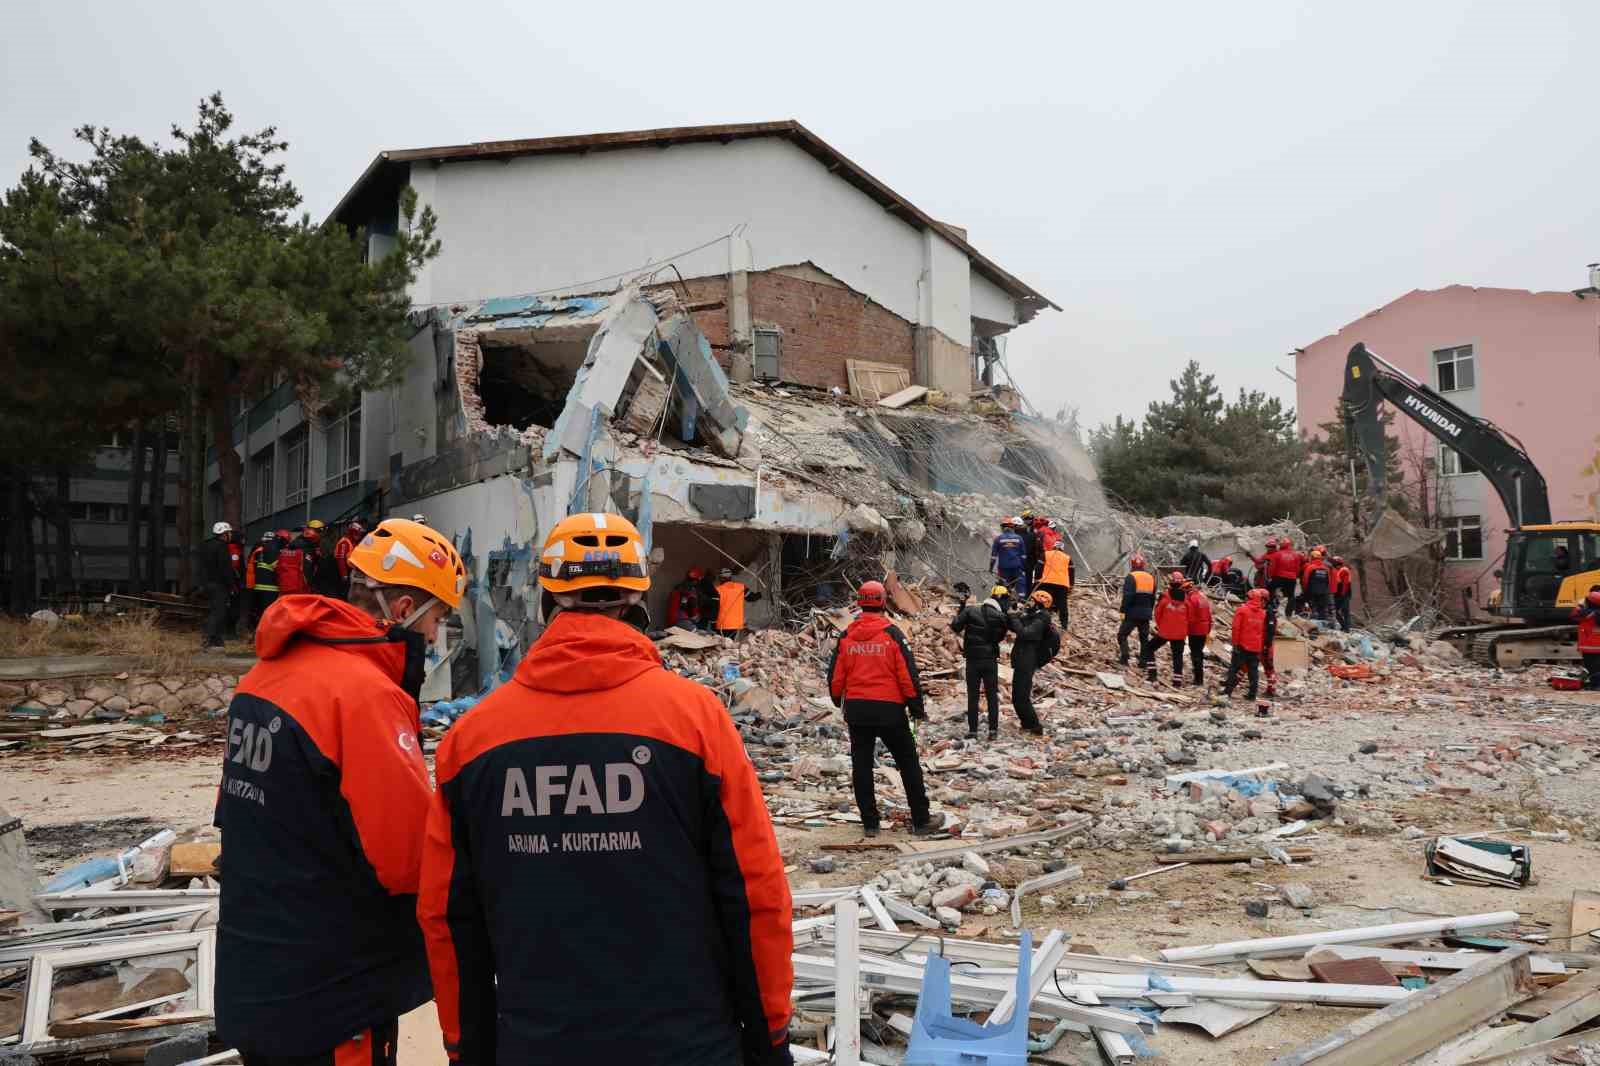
x,y
1052,644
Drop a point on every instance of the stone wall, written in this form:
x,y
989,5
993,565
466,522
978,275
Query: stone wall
x,y
112,699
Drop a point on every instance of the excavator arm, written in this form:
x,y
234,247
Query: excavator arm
x,y
1369,380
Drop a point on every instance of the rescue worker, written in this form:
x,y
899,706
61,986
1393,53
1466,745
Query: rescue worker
x,y
1248,637
1196,566
1267,646
322,806
727,604
683,602
1036,643
291,565
1172,627
1025,524
1199,609
310,543
1138,602
1056,578
261,574
1342,589
327,580
236,599
1262,576
600,879
1008,557
353,532
873,677
983,627
221,581
1284,568
1587,615
1316,586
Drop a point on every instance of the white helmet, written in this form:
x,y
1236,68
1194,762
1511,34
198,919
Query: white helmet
x,y
1194,544
420,518
220,529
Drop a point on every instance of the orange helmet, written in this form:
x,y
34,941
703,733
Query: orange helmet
x,y
593,550
870,594
1137,562
1316,553
402,552
1043,599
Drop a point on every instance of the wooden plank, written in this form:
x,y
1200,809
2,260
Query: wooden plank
x,y
1075,824
1551,1000
1585,916
1425,1019
1284,946
107,993
1580,1005
1540,965
64,1030
908,395
194,860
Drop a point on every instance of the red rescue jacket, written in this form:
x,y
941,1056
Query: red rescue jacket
x,y
1172,618
598,817
323,799
1588,619
341,555
1341,581
1285,564
872,673
292,571
1250,628
1199,609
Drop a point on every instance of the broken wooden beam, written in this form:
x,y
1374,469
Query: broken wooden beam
x,y
1077,823
1426,1018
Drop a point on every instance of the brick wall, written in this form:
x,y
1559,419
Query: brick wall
x,y
823,323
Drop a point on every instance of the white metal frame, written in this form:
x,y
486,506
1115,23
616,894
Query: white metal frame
x,y
41,975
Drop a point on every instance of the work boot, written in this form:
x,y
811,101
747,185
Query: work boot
x,y
869,830
972,734
934,823
1036,730
1150,674
993,734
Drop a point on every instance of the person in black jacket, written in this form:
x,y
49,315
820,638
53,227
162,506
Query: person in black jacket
x,y
1195,565
983,627
221,581
1033,630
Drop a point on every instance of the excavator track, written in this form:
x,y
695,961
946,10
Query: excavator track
x,y
1513,646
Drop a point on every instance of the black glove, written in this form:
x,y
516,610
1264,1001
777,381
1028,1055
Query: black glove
x,y
915,708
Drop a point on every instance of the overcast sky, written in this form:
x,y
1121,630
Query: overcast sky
x,y
1217,181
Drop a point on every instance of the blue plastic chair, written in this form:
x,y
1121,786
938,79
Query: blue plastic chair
x,y
939,1038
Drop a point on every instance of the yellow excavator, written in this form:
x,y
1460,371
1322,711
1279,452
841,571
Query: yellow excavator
x,y
1549,566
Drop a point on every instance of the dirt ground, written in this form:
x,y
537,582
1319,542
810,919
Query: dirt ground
x,y
76,805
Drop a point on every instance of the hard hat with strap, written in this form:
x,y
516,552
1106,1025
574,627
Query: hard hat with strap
x,y
402,552
871,594
592,550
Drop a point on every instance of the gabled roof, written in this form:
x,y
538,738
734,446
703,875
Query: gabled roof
x,y
384,167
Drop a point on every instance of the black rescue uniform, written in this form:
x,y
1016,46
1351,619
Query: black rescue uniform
x,y
983,627
873,676
1138,603
1032,629
323,799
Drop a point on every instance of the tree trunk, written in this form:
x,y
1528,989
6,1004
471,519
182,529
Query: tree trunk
x,y
135,509
66,582
191,468
229,465
155,564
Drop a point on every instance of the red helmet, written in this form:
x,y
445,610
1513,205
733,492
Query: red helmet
x,y
1272,543
1175,578
1338,560
1286,543
696,573
1258,595
1137,562
285,536
1594,598
870,594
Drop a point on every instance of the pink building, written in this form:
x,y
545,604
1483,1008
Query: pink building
x,y
1527,361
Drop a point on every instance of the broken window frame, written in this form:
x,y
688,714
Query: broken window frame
x,y
261,465
41,974
341,440
1460,531
775,337
295,449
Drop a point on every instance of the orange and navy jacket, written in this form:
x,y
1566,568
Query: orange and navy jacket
x,y
1138,595
873,674
1199,611
1172,618
324,796
1316,579
600,879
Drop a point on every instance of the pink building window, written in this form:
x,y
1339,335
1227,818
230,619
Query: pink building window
x,y
1454,368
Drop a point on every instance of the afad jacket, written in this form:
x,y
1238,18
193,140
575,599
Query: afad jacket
x,y
1138,595
601,882
1341,581
1008,553
873,674
323,800
1285,564
1172,617
1249,628
1317,578
1199,613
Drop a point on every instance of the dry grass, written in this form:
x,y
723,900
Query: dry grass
x,y
157,649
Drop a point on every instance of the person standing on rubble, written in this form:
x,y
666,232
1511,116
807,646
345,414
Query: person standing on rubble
x,y
684,603
1316,586
873,677
1342,588
1199,610
1138,603
261,573
1248,637
983,628
1172,627
221,581
1587,615
1008,557
1285,565
600,879
726,608
323,799
1194,564
1037,642
1056,579
1026,525
353,532
1262,577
